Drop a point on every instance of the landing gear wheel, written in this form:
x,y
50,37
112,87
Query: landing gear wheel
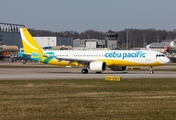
x,y
84,71
151,71
98,72
23,61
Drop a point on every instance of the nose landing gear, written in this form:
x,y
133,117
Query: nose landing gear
x,y
151,70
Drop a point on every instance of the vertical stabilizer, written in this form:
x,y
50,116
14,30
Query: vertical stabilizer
x,y
29,44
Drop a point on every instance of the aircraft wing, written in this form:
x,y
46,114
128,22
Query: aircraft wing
x,y
75,60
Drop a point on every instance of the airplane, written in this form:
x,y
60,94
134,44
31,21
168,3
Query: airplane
x,y
25,58
33,57
95,60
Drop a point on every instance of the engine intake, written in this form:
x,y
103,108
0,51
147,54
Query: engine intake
x,y
97,66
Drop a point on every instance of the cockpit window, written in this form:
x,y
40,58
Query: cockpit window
x,y
160,55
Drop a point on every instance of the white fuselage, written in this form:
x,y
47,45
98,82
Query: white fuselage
x,y
113,57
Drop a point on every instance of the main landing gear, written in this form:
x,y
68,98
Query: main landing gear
x,y
151,70
98,72
84,71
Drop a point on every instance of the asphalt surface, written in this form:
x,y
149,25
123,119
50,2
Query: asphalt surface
x,y
75,73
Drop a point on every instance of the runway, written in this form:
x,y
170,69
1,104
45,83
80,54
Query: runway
x,y
75,73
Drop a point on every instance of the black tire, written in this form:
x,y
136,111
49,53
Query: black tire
x,y
98,72
151,72
84,71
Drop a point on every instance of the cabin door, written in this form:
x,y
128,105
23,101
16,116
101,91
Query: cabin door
x,y
148,56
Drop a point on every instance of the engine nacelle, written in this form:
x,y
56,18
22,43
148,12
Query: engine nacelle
x,y
97,66
118,68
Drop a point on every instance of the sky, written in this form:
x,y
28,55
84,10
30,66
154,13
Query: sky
x,y
82,15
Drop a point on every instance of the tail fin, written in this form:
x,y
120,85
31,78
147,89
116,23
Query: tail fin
x,y
29,44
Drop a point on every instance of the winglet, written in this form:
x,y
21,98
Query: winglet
x,y
29,44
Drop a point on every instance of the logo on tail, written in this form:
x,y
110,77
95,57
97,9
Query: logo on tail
x,y
29,44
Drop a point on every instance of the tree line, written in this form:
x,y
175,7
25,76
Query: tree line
x,y
136,37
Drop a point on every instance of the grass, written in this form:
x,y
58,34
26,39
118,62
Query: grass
x,y
133,99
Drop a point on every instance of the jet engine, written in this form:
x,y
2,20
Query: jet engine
x,y
118,68
97,66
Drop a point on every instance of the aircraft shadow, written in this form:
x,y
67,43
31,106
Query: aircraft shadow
x,y
87,73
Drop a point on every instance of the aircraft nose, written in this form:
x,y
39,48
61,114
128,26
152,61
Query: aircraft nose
x,y
166,60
